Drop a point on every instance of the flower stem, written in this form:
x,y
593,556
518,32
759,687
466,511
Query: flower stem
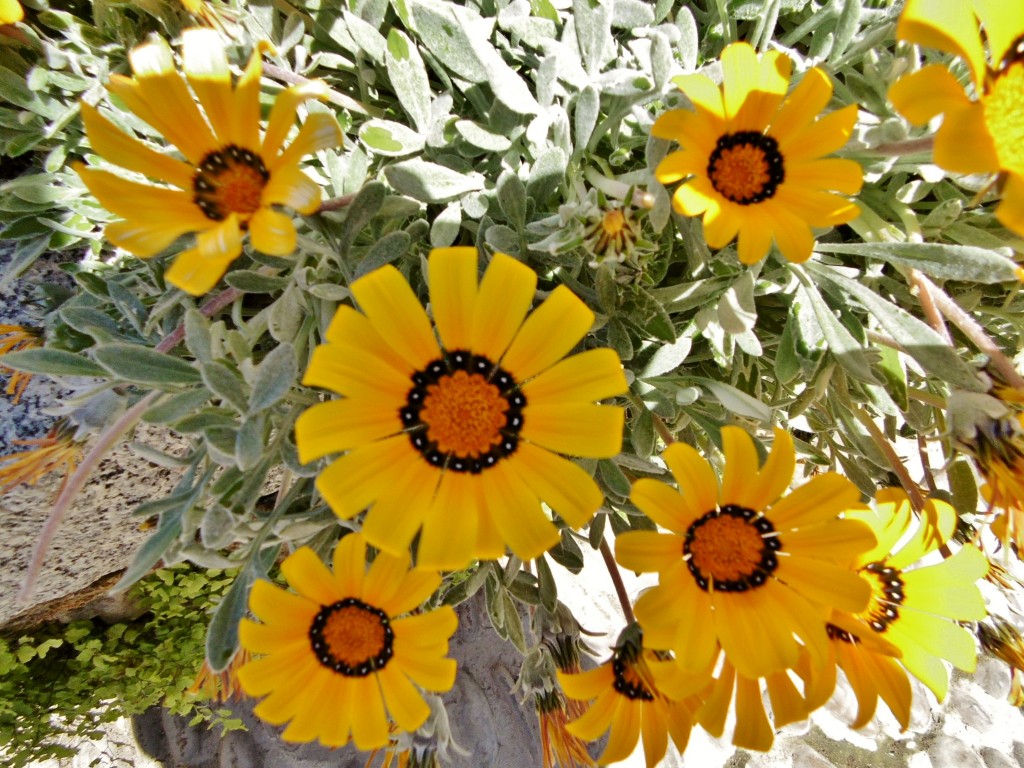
x,y
973,331
659,426
620,588
912,489
931,312
906,147
208,309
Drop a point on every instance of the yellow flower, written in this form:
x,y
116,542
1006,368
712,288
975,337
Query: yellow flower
x,y
11,11
744,566
219,686
342,650
229,182
983,134
461,439
57,451
752,159
559,747
13,338
628,700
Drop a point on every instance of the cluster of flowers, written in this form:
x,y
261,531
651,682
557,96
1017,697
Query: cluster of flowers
x,y
451,430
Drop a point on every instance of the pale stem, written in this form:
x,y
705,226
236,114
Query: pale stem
x,y
912,489
659,426
975,332
74,485
906,147
208,309
620,588
931,312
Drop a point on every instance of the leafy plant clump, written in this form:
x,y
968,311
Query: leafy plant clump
x,y
61,682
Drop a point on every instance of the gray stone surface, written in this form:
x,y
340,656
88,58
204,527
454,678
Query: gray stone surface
x,y
486,719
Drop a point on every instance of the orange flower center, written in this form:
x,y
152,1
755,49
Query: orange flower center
x,y
746,167
628,681
886,595
230,180
731,549
464,413
352,638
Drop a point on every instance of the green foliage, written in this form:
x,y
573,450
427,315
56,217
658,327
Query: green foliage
x,y
60,683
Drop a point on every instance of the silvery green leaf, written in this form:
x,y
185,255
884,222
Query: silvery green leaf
x,y
641,434
585,113
445,35
944,214
546,583
222,636
546,79
293,31
367,38
216,530
662,8
593,33
630,14
916,338
408,77
391,247
273,378
251,281
429,182
749,343
481,138
688,45
613,477
360,211
197,335
624,82
511,195
446,225
329,291
53,362
667,358
840,341
153,548
142,365
175,406
128,304
390,139
546,175
661,59
93,322
846,27
513,623
939,260
502,239
737,401
286,315
737,312
249,442
509,88
226,384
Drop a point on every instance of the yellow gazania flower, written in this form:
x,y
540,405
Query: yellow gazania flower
x,y
11,11
57,451
916,607
752,159
461,439
12,339
753,729
629,701
984,134
744,566
342,650
229,181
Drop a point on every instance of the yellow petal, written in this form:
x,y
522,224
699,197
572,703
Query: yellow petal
x,y
340,425
721,226
950,27
285,700
384,578
654,734
304,725
963,143
802,106
752,89
436,674
665,506
198,269
389,302
369,722
1003,23
143,240
819,500
128,152
448,539
754,639
271,638
597,718
561,484
741,464
703,93
753,731
282,114
1010,211
777,473
336,717
452,274
592,431
11,12
695,197
310,577
320,131
206,66
697,481
836,173
505,296
696,132
820,138
517,513
647,551
290,187
588,376
245,130
584,686
272,232
625,731
755,237
716,706
405,704
143,203
349,565
277,606
930,91
547,335
837,543
360,372
937,523
359,478
417,585
350,330
787,704
400,509
824,583
279,670
426,631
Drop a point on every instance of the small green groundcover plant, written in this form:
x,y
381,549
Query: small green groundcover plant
x,y
60,683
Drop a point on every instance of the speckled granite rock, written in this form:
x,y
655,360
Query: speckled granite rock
x,y
486,719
